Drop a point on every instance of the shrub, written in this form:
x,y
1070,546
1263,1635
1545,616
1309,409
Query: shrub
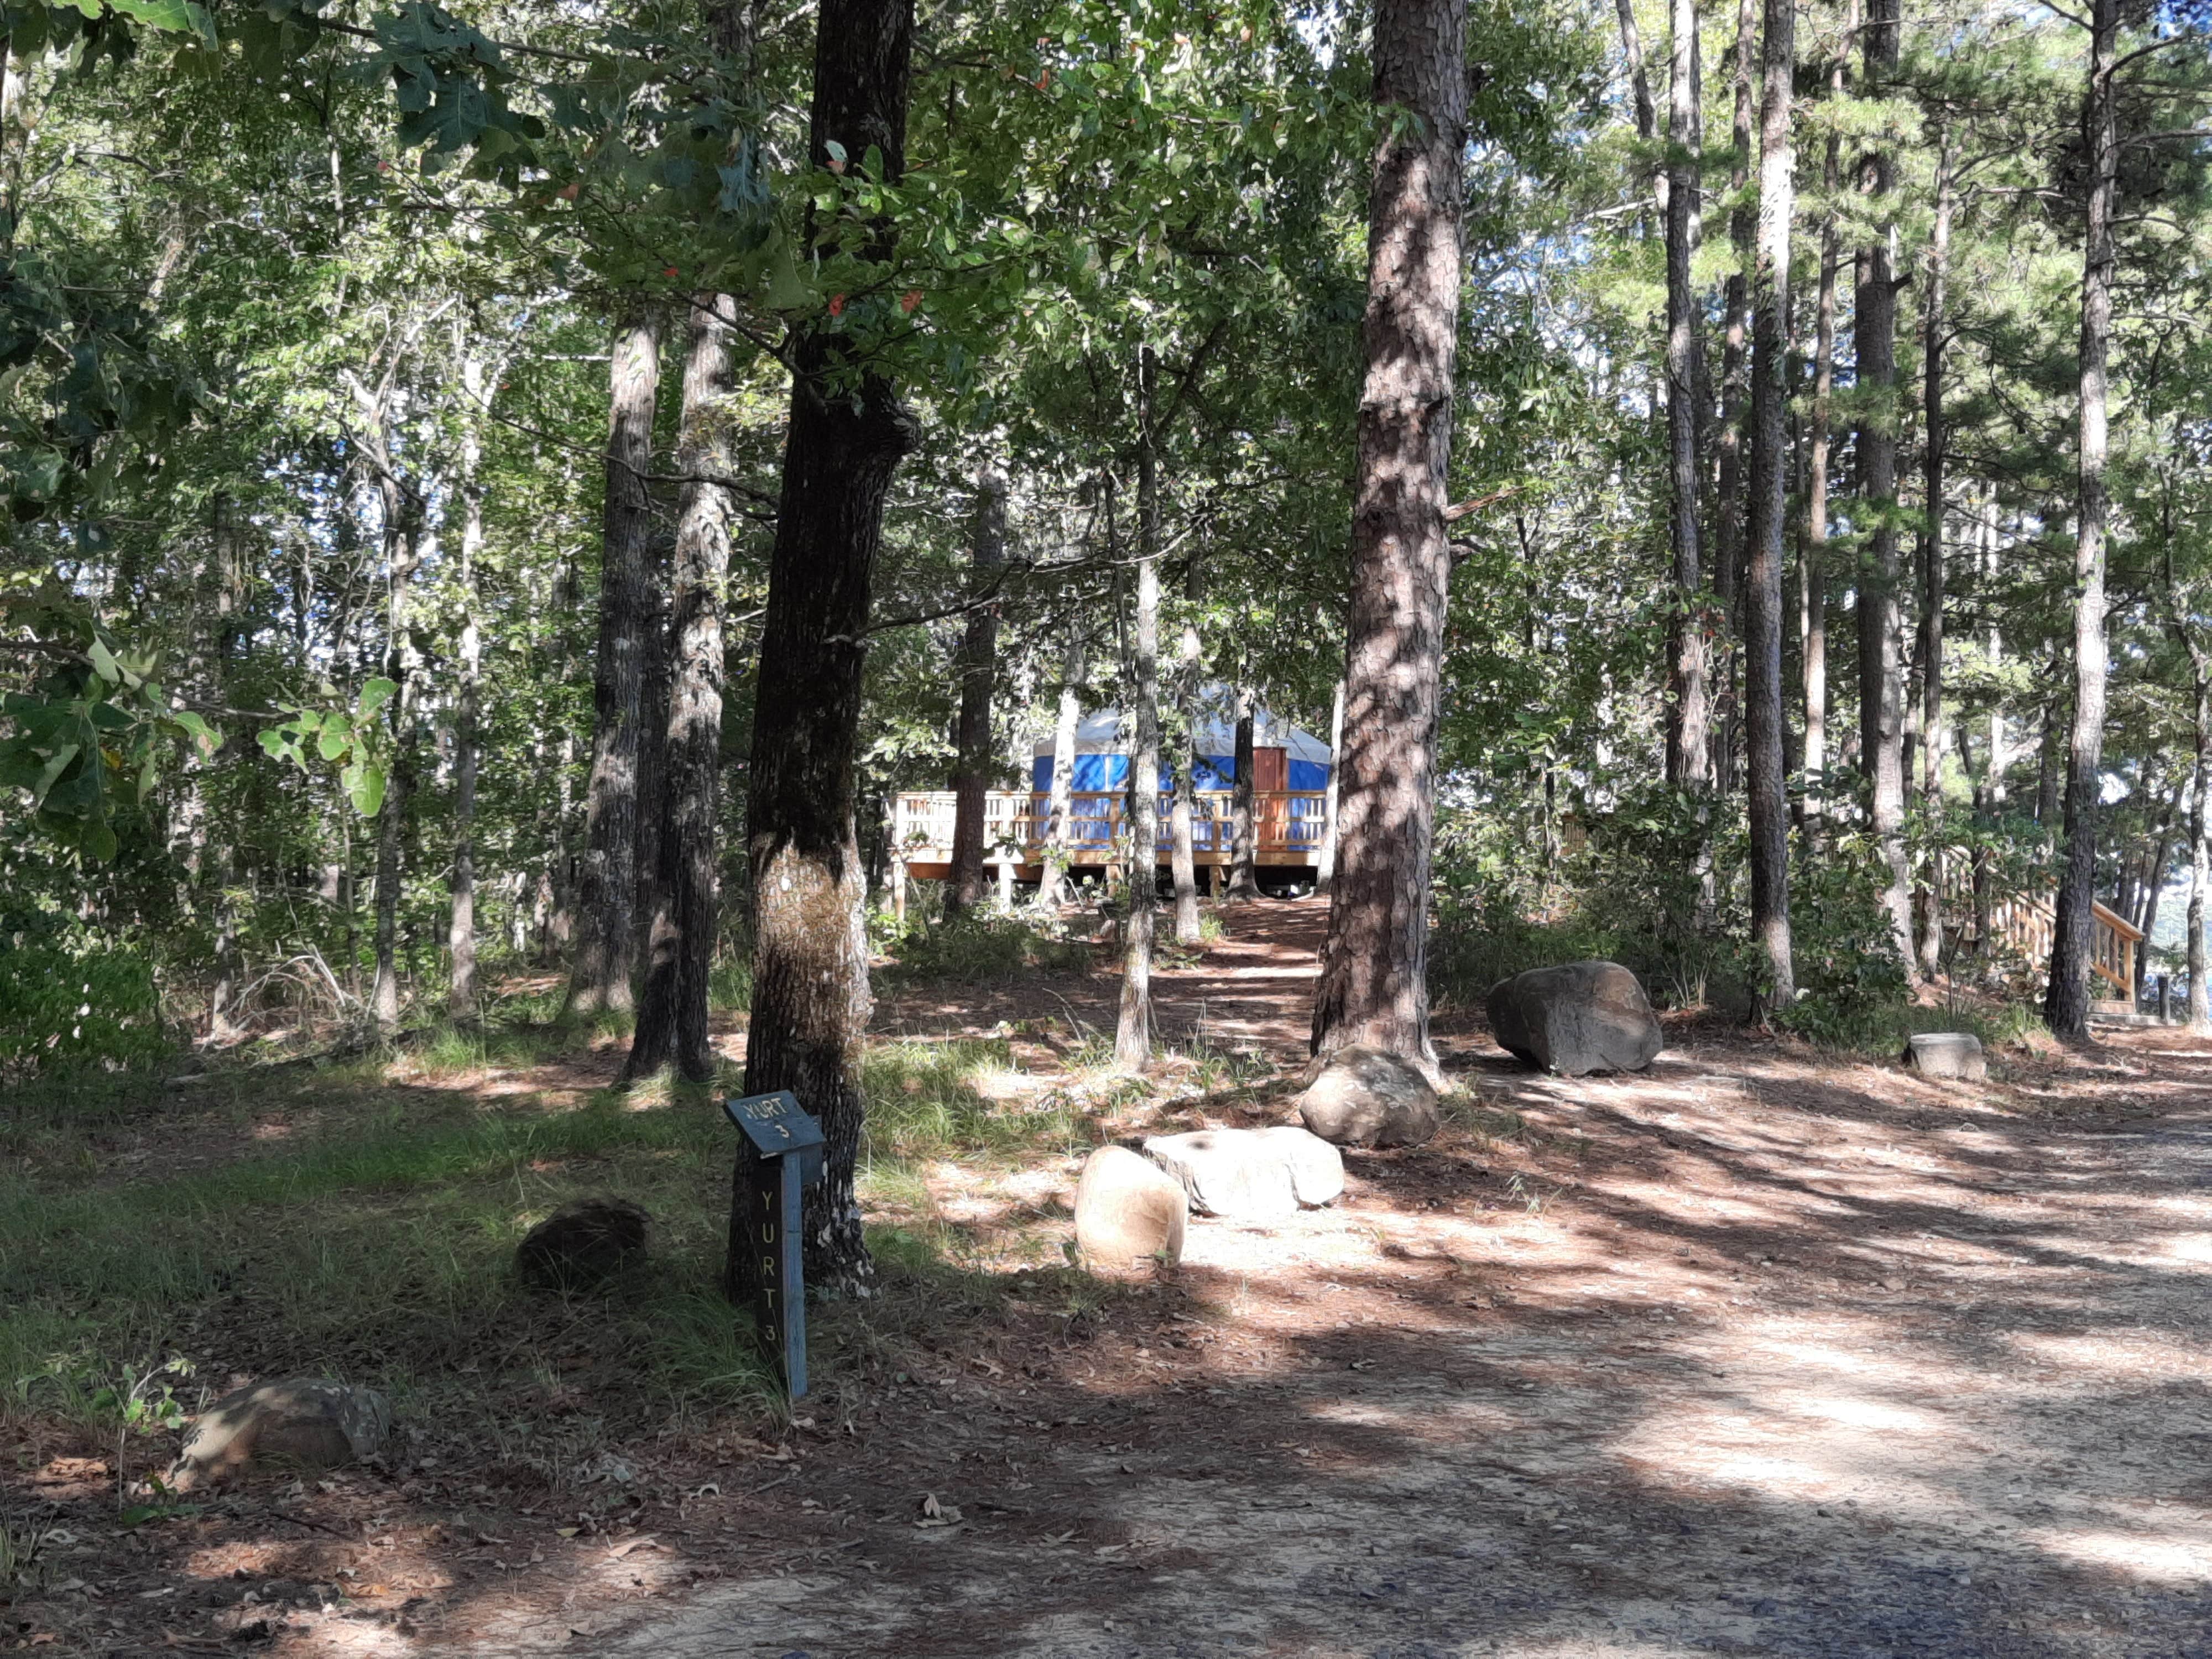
x,y
62,1009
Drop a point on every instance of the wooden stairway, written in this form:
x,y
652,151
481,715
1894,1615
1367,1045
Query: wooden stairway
x,y
2025,924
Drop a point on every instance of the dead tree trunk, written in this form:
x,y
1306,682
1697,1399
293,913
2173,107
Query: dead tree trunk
x,y
679,952
1059,826
599,978
1813,560
1373,975
2066,1003
1767,771
979,668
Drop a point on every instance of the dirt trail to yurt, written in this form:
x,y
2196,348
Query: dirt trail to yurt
x,y
1762,1351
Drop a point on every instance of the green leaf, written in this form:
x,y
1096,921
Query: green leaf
x,y
366,787
172,16
104,664
52,771
374,694
337,739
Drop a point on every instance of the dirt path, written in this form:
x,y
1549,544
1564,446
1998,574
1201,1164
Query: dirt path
x,y
1754,1354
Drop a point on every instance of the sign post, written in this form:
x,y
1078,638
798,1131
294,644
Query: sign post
x,y
785,1146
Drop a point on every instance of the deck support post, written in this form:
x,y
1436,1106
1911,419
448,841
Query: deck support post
x,y
1005,861
898,889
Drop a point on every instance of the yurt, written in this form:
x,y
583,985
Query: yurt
x,y
1283,757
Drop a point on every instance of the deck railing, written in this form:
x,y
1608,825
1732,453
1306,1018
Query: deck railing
x,y
2027,924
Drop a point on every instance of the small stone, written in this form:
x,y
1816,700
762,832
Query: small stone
x,y
1129,1212
307,1422
1580,1017
1364,1097
582,1243
1948,1055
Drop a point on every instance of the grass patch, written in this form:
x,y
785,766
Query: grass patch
x,y
1879,1029
981,947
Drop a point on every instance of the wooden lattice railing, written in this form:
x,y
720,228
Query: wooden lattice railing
x,y
2027,924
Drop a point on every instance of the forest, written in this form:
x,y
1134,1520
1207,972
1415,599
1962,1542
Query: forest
x,y
694,548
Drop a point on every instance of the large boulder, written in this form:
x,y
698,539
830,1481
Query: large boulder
x,y
1947,1053
304,1423
1366,1097
1129,1212
1583,1016
1316,1167
1249,1175
582,1242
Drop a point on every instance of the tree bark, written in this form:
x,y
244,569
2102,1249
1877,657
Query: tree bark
x,y
978,668
1244,850
599,976
1132,1035
1689,759
847,435
1767,770
1933,437
1881,711
1182,858
2066,1002
679,954
1374,977
461,926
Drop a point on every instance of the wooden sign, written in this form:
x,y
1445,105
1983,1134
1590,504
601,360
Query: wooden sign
x,y
786,1144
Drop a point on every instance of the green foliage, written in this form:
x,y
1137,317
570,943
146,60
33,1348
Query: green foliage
x,y
61,1010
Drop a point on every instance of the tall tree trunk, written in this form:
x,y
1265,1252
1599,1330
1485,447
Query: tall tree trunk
x,y
979,668
1814,561
1689,759
1182,858
1060,806
1374,976
2066,1004
599,978
403,555
1881,711
679,953
1933,437
1729,514
461,928
847,435
1325,860
1244,850
1132,1035
1767,770
2200,847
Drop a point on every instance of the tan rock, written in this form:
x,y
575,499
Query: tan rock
x,y
1129,1212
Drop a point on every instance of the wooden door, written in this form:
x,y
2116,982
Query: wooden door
x,y
1270,770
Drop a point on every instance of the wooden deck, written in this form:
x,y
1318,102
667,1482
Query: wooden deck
x,y
1287,824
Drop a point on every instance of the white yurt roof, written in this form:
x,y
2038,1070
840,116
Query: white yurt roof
x,y
1106,733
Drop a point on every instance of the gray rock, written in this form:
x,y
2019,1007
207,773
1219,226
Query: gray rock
x,y
1580,1017
1366,1097
1316,1167
1246,1175
305,1422
1129,1212
582,1243
1947,1053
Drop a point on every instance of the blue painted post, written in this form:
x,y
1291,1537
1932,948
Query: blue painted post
x,y
786,1145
